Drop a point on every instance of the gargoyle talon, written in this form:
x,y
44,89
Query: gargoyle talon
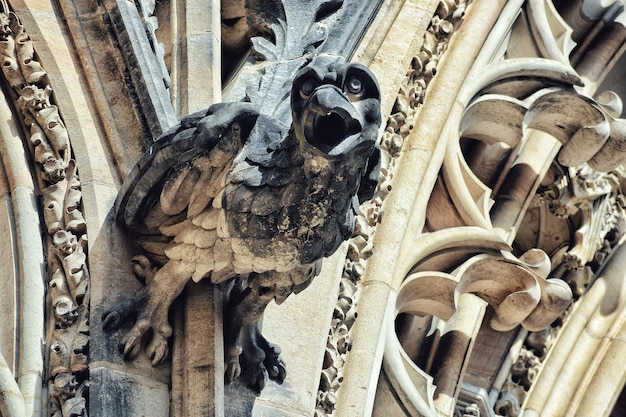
x,y
260,379
233,370
275,366
132,341
143,269
131,348
111,319
278,372
157,349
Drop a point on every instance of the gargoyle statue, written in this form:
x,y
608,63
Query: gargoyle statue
x,y
253,204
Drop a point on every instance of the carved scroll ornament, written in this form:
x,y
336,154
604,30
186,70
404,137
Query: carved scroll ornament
x,y
584,132
517,289
532,98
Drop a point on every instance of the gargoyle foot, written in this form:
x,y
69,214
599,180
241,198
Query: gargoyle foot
x,y
260,359
131,343
150,305
273,362
233,368
113,318
143,269
151,317
247,351
158,348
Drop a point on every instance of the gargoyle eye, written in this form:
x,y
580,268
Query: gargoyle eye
x,y
354,86
307,87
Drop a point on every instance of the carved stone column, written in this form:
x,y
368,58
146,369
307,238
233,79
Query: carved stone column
x,y
22,332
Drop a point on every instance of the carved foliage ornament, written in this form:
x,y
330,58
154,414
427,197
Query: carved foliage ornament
x,y
57,175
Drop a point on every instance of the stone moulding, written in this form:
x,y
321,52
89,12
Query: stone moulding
x,y
12,403
133,27
55,171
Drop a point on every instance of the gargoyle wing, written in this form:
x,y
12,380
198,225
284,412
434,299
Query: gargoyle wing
x,y
216,134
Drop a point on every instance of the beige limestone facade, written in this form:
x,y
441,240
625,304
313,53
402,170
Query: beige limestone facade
x,y
486,277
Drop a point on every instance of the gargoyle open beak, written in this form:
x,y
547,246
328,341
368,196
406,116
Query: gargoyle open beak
x,y
329,118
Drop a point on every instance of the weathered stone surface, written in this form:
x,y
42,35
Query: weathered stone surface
x,y
127,395
240,167
144,68
197,353
91,83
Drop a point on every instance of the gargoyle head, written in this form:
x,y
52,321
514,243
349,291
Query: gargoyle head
x,y
336,106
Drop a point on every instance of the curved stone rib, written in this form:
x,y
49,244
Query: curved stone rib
x,y
413,386
543,33
494,77
517,289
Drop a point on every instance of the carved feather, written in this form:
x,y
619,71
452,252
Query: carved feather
x,y
249,193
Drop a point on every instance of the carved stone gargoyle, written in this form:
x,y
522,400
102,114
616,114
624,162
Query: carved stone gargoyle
x,y
251,202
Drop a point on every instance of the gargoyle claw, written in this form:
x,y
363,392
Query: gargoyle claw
x,y
258,381
111,319
143,269
258,361
130,349
233,367
132,341
276,369
157,349
274,364
233,370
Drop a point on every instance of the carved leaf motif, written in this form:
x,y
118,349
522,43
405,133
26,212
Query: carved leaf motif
x,y
31,69
295,38
316,35
10,67
264,49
